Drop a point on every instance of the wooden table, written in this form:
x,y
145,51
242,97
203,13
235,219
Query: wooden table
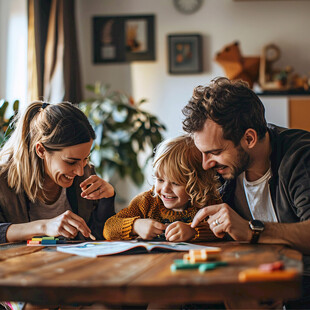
x,y
43,275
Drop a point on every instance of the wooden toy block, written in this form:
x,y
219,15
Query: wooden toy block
x,y
36,239
49,238
203,266
48,242
33,242
186,257
278,265
203,255
195,252
259,275
197,259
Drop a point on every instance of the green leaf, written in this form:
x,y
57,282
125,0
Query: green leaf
x,y
3,108
141,102
7,124
90,88
16,106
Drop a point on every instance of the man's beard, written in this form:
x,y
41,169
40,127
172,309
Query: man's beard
x,y
241,164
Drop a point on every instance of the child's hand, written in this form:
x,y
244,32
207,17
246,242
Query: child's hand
x,y
147,228
179,231
96,188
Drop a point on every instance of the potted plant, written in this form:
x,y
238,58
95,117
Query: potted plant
x,y
6,122
126,134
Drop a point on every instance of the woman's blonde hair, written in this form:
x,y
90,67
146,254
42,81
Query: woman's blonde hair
x,y
179,160
54,125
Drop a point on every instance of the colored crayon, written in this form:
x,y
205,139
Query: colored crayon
x,y
180,264
259,275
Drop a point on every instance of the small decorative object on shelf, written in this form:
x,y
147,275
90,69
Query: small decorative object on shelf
x,y
126,134
270,54
279,79
236,66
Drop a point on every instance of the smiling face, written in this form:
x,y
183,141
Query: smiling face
x,y
61,167
172,194
220,154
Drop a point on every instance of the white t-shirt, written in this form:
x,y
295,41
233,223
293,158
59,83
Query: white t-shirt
x,y
40,210
256,197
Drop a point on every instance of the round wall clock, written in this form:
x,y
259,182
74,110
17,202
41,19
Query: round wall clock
x,y
187,6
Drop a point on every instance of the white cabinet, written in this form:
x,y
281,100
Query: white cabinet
x,y
289,111
276,109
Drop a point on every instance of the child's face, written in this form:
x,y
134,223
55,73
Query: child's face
x,y
172,194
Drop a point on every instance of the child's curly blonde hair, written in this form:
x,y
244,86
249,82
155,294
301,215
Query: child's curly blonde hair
x,y
180,160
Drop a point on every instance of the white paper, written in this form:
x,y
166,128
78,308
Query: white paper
x,y
94,249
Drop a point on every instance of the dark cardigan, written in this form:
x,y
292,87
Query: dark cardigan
x,y
290,181
14,208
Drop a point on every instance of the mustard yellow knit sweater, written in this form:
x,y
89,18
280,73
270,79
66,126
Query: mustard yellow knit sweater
x,y
119,226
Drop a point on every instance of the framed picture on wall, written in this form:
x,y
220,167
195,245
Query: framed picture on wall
x,y
185,53
123,38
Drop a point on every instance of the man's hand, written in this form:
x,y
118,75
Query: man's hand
x,y
147,228
223,219
179,231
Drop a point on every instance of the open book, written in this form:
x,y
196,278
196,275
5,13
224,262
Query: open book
x,y
94,249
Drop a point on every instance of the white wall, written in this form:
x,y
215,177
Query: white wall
x,y
253,23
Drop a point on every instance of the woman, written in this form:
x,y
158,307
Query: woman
x,y
47,186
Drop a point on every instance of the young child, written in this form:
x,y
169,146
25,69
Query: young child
x,y
181,188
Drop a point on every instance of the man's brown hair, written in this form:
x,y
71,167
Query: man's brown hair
x,y
230,104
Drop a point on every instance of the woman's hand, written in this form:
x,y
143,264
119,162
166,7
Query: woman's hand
x,y
94,188
67,224
147,228
179,231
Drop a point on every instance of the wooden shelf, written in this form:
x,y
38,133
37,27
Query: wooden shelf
x,y
283,93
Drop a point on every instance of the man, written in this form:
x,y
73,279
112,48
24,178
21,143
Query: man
x,y
265,170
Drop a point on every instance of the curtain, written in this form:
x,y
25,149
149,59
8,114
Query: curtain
x,y
53,65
